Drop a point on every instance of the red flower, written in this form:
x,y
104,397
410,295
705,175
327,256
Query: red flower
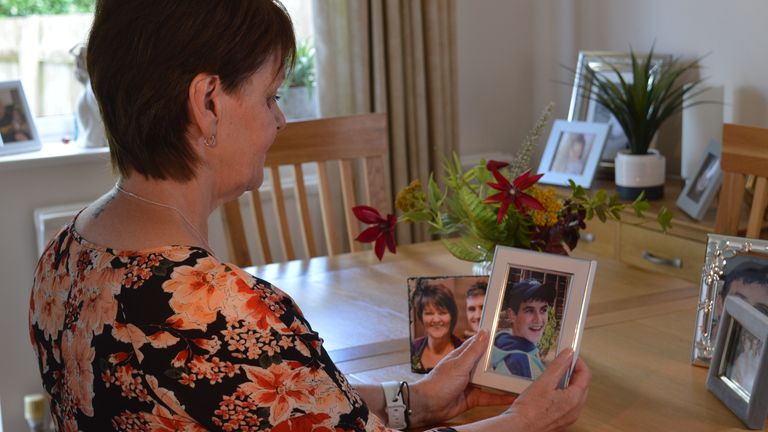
x,y
382,231
512,193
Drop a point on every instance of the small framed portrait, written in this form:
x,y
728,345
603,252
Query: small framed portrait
x,y
697,195
733,267
583,104
738,375
572,153
444,311
535,307
17,127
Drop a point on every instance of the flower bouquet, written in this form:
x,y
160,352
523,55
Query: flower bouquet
x,y
497,203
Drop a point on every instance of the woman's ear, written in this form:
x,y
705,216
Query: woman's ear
x,y
204,103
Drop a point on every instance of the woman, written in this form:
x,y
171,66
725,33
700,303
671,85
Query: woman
x,y
136,324
436,309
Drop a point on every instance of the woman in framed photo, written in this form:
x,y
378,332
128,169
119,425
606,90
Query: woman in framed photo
x,y
436,309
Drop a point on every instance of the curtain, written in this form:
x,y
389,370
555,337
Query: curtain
x,y
394,56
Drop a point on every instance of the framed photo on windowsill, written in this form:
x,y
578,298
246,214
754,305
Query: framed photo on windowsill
x,y
572,153
535,307
697,195
18,133
738,375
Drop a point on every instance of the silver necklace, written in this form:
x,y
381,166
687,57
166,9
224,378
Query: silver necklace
x,y
168,206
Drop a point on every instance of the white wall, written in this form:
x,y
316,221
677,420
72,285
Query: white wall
x,y
511,52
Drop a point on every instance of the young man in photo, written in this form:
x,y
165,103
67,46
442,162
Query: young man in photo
x,y
475,301
515,350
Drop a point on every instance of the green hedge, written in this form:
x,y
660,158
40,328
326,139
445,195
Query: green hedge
x,y
44,7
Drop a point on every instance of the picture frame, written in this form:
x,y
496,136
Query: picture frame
x,y
732,266
583,105
697,194
572,153
442,310
535,307
18,133
738,375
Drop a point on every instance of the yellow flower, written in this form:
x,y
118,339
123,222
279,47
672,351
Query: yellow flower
x,y
411,198
552,205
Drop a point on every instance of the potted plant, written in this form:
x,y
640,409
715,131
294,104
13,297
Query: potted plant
x,y
297,92
641,107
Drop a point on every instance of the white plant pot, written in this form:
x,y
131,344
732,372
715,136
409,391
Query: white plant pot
x,y
299,103
640,173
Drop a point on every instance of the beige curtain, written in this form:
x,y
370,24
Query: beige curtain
x,y
394,56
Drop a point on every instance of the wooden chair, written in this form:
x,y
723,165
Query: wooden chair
x,y
744,153
344,139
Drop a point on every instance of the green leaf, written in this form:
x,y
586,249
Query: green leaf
x,y
664,218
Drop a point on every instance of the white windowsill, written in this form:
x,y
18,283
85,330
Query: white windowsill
x,y
54,153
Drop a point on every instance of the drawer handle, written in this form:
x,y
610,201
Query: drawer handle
x,y
675,262
587,237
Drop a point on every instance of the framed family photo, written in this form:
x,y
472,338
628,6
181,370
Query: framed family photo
x,y
444,311
17,127
738,375
733,266
535,307
697,195
584,107
572,152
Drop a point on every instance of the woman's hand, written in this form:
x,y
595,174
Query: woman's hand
x,y
543,406
445,392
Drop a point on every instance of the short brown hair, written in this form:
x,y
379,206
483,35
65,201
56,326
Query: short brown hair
x,y
143,54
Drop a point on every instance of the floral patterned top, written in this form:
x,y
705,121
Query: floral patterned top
x,y
171,339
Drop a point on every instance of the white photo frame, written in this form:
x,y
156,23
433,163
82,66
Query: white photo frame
x,y
528,279
572,153
738,374
18,133
697,195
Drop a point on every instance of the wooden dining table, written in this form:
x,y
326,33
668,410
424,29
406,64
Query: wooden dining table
x,y
637,339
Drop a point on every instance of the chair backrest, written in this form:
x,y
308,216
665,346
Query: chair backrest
x,y
347,140
744,153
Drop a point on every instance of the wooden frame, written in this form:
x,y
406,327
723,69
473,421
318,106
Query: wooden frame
x,y
697,195
728,260
739,372
560,162
457,300
526,278
18,133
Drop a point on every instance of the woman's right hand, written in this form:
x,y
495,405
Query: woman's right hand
x,y
545,407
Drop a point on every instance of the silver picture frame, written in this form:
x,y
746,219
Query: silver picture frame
x,y
583,105
738,375
554,286
728,259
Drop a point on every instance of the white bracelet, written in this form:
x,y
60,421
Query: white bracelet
x,y
395,405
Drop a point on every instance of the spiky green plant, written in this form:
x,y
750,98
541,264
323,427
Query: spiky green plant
x,y
643,105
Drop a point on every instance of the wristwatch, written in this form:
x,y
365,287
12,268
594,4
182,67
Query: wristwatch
x,y
395,405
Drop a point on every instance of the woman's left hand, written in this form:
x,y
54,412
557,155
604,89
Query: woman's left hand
x,y
445,392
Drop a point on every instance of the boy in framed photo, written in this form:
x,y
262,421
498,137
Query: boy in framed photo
x,y
515,350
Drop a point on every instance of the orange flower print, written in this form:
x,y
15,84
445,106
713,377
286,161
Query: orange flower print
x,y
49,306
99,307
197,294
280,388
312,422
77,355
